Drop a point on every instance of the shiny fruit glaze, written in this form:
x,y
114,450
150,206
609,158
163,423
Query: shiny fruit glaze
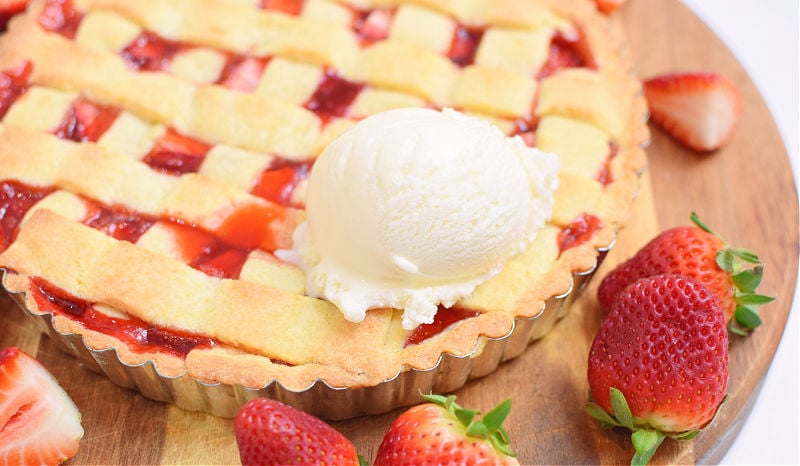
x,y
465,44
372,25
278,182
149,52
13,83
605,176
117,222
86,121
333,96
205,252
15,201
291,7
176,154
61,17
138,336
567,53
444,318
242,73
578,232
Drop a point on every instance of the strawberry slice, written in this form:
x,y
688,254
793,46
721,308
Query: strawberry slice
x,y
9,8
39,423
700,110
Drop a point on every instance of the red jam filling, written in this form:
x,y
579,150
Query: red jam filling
x,y
333,96
444,318
138,335
465,44
149,52
604,176
250,227
86,121
278,182
15,201
290,7
567,53
526,129
242,73
8,10
13,83
578,232
60,16
176,154
208,253
117,222
372,25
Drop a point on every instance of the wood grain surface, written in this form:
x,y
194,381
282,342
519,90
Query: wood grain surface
x,y
751,204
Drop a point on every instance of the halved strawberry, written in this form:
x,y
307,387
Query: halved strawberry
x,y
39,423
9,8
700,110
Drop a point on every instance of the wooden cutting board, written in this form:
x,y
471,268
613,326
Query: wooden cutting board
x,y
754,208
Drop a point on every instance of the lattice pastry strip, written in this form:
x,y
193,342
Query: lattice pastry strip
x,y
113,180
40,109
231,311
263,124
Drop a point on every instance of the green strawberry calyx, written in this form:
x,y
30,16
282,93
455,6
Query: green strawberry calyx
x,y
645,438
746,271
490,427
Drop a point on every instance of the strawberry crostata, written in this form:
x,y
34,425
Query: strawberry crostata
x,y
155,160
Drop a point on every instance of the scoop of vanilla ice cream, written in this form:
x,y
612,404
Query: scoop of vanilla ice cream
x,y
413,208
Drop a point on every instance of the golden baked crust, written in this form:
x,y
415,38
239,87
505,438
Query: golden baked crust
x,y
263,326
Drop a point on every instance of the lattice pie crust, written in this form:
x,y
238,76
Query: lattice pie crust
x,y
101,95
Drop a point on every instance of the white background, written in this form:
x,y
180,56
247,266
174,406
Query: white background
x,y
763,34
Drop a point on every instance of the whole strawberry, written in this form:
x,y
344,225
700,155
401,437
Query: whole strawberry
x,y
442,432
695,251
659,363
272,433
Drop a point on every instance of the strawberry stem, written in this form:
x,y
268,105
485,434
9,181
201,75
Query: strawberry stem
x,y
645,442
746,272
490,427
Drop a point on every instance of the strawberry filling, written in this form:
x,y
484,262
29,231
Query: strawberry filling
x,y
176,154
290,7
15,201
61,17
117,222
465,44
138,335
149,52
578,232
277,183
220,253
86,121
567,52
13,83
372,25
604,176
8,9
445,317
206,252
333,97
242,73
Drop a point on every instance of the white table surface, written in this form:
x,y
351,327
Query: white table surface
x,y
763,34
